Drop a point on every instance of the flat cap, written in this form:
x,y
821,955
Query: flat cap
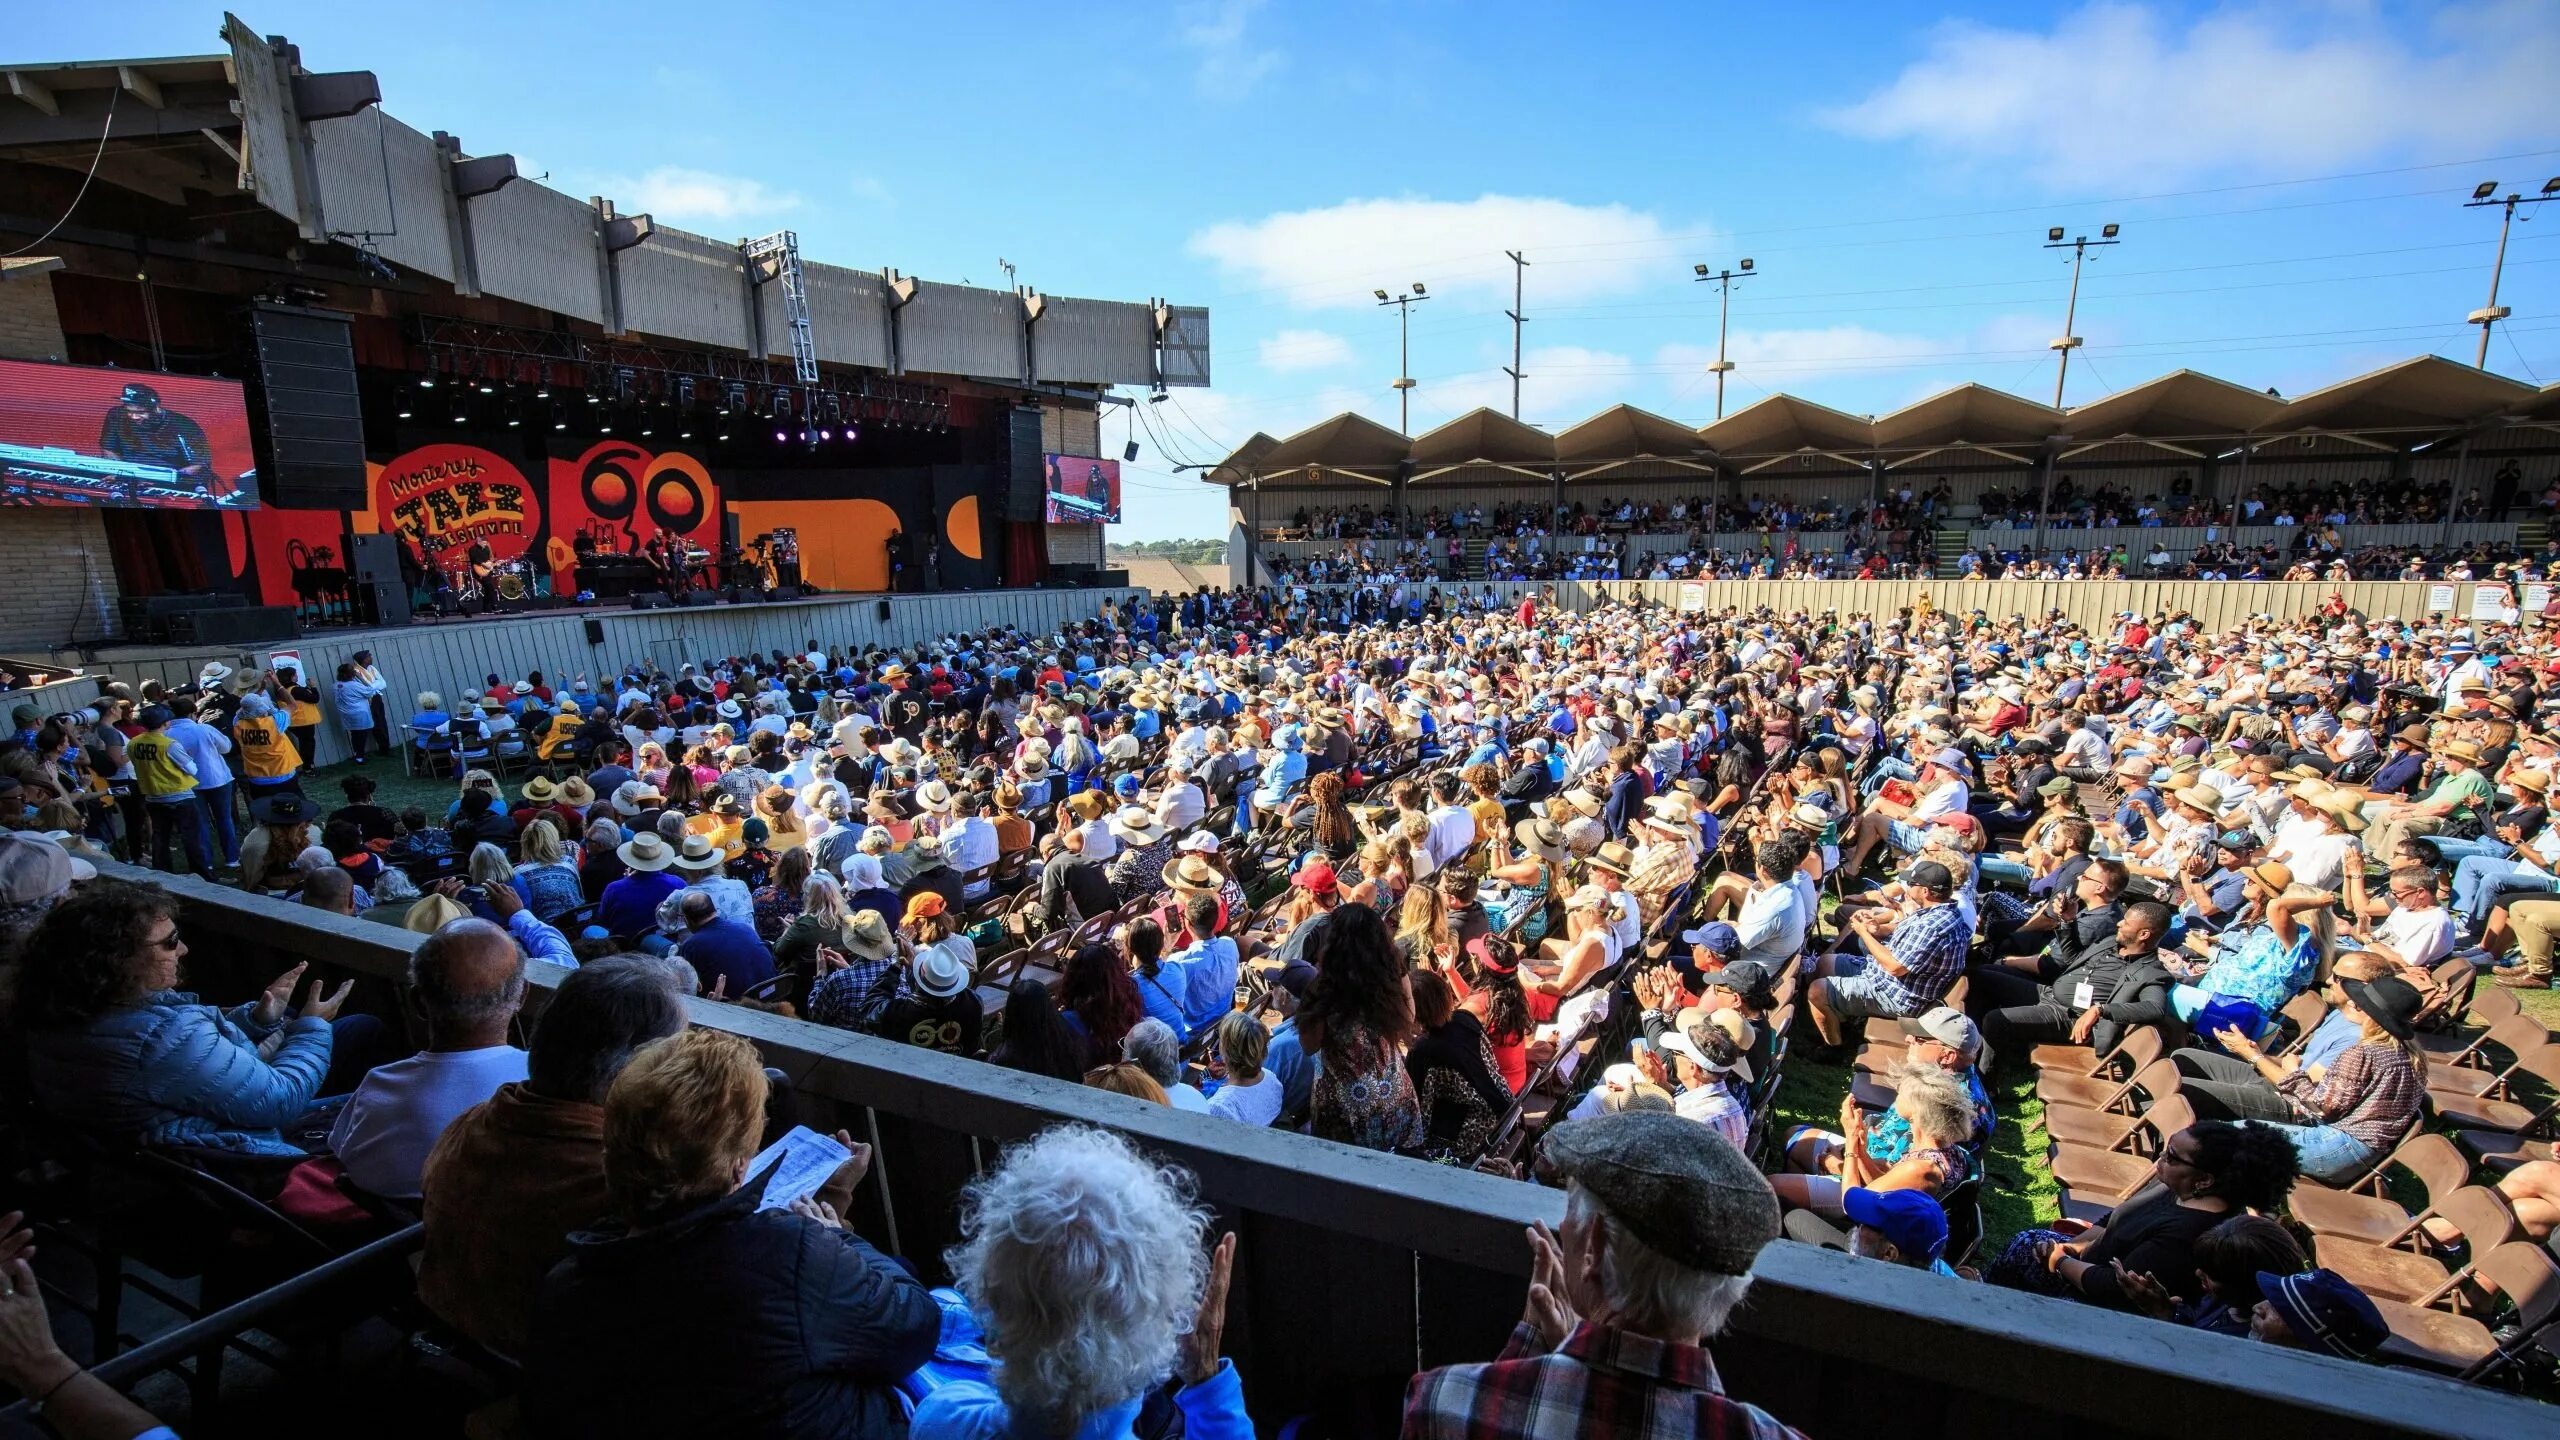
x,y
1682,1188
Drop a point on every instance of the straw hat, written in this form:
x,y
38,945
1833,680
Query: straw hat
x,y
576,791
2462,750
633,796
867,936
2344,809
540,791
1540,838
699,853
2274,874
1189,874
935,796
1136,825
2530,781
646,851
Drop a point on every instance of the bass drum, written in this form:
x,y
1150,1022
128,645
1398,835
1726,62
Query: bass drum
x,y
513,579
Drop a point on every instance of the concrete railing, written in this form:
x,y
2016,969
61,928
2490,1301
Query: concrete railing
x,y
1353,1268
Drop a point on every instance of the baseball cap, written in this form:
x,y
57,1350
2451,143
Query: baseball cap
x,y
1949,1027
2326,1312
1911,1220
1930,875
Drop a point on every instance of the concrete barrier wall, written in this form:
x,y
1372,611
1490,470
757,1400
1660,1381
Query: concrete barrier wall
x,y
455,656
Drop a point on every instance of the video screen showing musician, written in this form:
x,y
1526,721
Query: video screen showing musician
x,y
1097,487
140,432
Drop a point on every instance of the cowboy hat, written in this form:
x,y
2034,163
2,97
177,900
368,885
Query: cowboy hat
x,y
576,791
1615,858
646,851
2273,874
633,796
540,791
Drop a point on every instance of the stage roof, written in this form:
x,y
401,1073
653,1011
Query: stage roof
x,y
2397,408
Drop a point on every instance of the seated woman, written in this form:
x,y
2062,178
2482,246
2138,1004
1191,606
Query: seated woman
x,y
116,1049
548,876
1083,1265
1456,1077
2206,1173
2365,1101
2285,934
1587,951
788,1314
268,853
1937,1118
2229,1258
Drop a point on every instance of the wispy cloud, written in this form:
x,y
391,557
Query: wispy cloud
x,y
1333,256
871,189
1227,61
679,196
1289,351
2119,94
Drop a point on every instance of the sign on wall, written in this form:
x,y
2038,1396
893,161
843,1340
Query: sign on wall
x,y
445,498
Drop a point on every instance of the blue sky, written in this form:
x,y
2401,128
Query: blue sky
x,y
2289,177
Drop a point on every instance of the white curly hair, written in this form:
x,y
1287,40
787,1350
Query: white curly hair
x,y
1085,1262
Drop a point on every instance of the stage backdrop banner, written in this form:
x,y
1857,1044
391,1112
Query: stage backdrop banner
x,y
620,496
442,498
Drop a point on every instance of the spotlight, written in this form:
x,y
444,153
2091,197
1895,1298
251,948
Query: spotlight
x,y
2108,231
2053,234
851,434
1417,287
1699,270
644,426
514,420
461,410
486,386
2551,186
542,391
559,416
779,437
594,399
826,434
1746,262
404,407
1381,294
427,381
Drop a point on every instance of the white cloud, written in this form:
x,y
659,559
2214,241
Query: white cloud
x,y
1228,63
873,189
1294,350
678,196
1334,255
2124,94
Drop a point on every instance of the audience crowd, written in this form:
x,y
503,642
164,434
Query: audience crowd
x,y
1550,893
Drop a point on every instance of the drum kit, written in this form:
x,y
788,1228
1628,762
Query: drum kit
x,y
511,580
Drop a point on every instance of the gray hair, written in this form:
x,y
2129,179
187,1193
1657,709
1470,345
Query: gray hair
x,y
1083,1261
1648,1291
1939,1105
490,865
431,974
1150,1045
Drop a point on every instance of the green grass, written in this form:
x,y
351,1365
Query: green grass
x,y
394,791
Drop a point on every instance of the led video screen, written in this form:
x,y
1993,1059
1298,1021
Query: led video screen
x,y
1083,490
80,435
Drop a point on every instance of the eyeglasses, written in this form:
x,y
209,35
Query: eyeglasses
x,y
169,941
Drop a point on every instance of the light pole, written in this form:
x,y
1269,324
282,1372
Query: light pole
x,y
1404,351
1724,308
2079,246
2483,195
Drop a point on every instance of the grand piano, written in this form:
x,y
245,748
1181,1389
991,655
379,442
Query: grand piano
x,y
51,475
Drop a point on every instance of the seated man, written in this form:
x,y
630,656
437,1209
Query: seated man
x,y
468,981
1649,1195
510,1178
2077,992
1939,790
2088,908
1903,967
730,957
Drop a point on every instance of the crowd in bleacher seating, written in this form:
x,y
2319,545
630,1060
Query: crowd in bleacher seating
x,y
2320,554
2374,500
1541,892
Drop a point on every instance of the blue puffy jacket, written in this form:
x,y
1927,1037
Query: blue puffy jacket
x,y
170,1071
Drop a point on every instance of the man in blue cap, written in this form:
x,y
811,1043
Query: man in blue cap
x,y
1899,1227
2317,1310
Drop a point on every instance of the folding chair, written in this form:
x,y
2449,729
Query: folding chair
x,y
2472,1075
2429,1276
2095,1091
2365,1212
2094,1180
2107,1124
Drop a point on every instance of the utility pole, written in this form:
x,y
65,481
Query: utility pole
x,y
2079,247
1724,308
1403,385
2485,194
1519,273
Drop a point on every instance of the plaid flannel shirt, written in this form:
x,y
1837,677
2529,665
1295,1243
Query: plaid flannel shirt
x,y
1930,946
1598,1382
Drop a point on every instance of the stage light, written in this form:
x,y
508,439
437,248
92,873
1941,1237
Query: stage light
x,y
851,434
594,399
559,416
826,434
2484,190
644,426
543,390
685,434
514,420
2054,234
427,381
461,410
486,385
779,437
404,407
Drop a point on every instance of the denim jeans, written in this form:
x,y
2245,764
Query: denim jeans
x,y
2455,851
181,819
1887,768
2478,880
2001,869
225,827
2328,1154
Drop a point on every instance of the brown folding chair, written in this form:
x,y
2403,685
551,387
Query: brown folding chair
x,y
2496,1111
2095,1179
2523,1275
2302,1015
2366,1213
2098,1091
2477,1073
2108,1124
2429,1276
2488,1007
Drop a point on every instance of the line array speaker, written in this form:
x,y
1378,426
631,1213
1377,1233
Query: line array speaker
x,y
315,420
1025,489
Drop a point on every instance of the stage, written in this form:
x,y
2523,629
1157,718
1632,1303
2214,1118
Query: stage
x,y
459,653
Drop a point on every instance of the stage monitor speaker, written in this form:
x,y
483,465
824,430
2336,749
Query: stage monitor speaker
x,y
373,557
248,625
382,602
595,631
315,418
147,617
1025,489
729,531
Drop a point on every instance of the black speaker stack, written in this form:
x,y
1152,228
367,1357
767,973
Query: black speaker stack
x,y
314,417
245,625
1026,486
148,618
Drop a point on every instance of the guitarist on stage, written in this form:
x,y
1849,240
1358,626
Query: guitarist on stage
x,y
484,562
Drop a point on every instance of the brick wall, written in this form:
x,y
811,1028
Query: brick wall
x,y
61,587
